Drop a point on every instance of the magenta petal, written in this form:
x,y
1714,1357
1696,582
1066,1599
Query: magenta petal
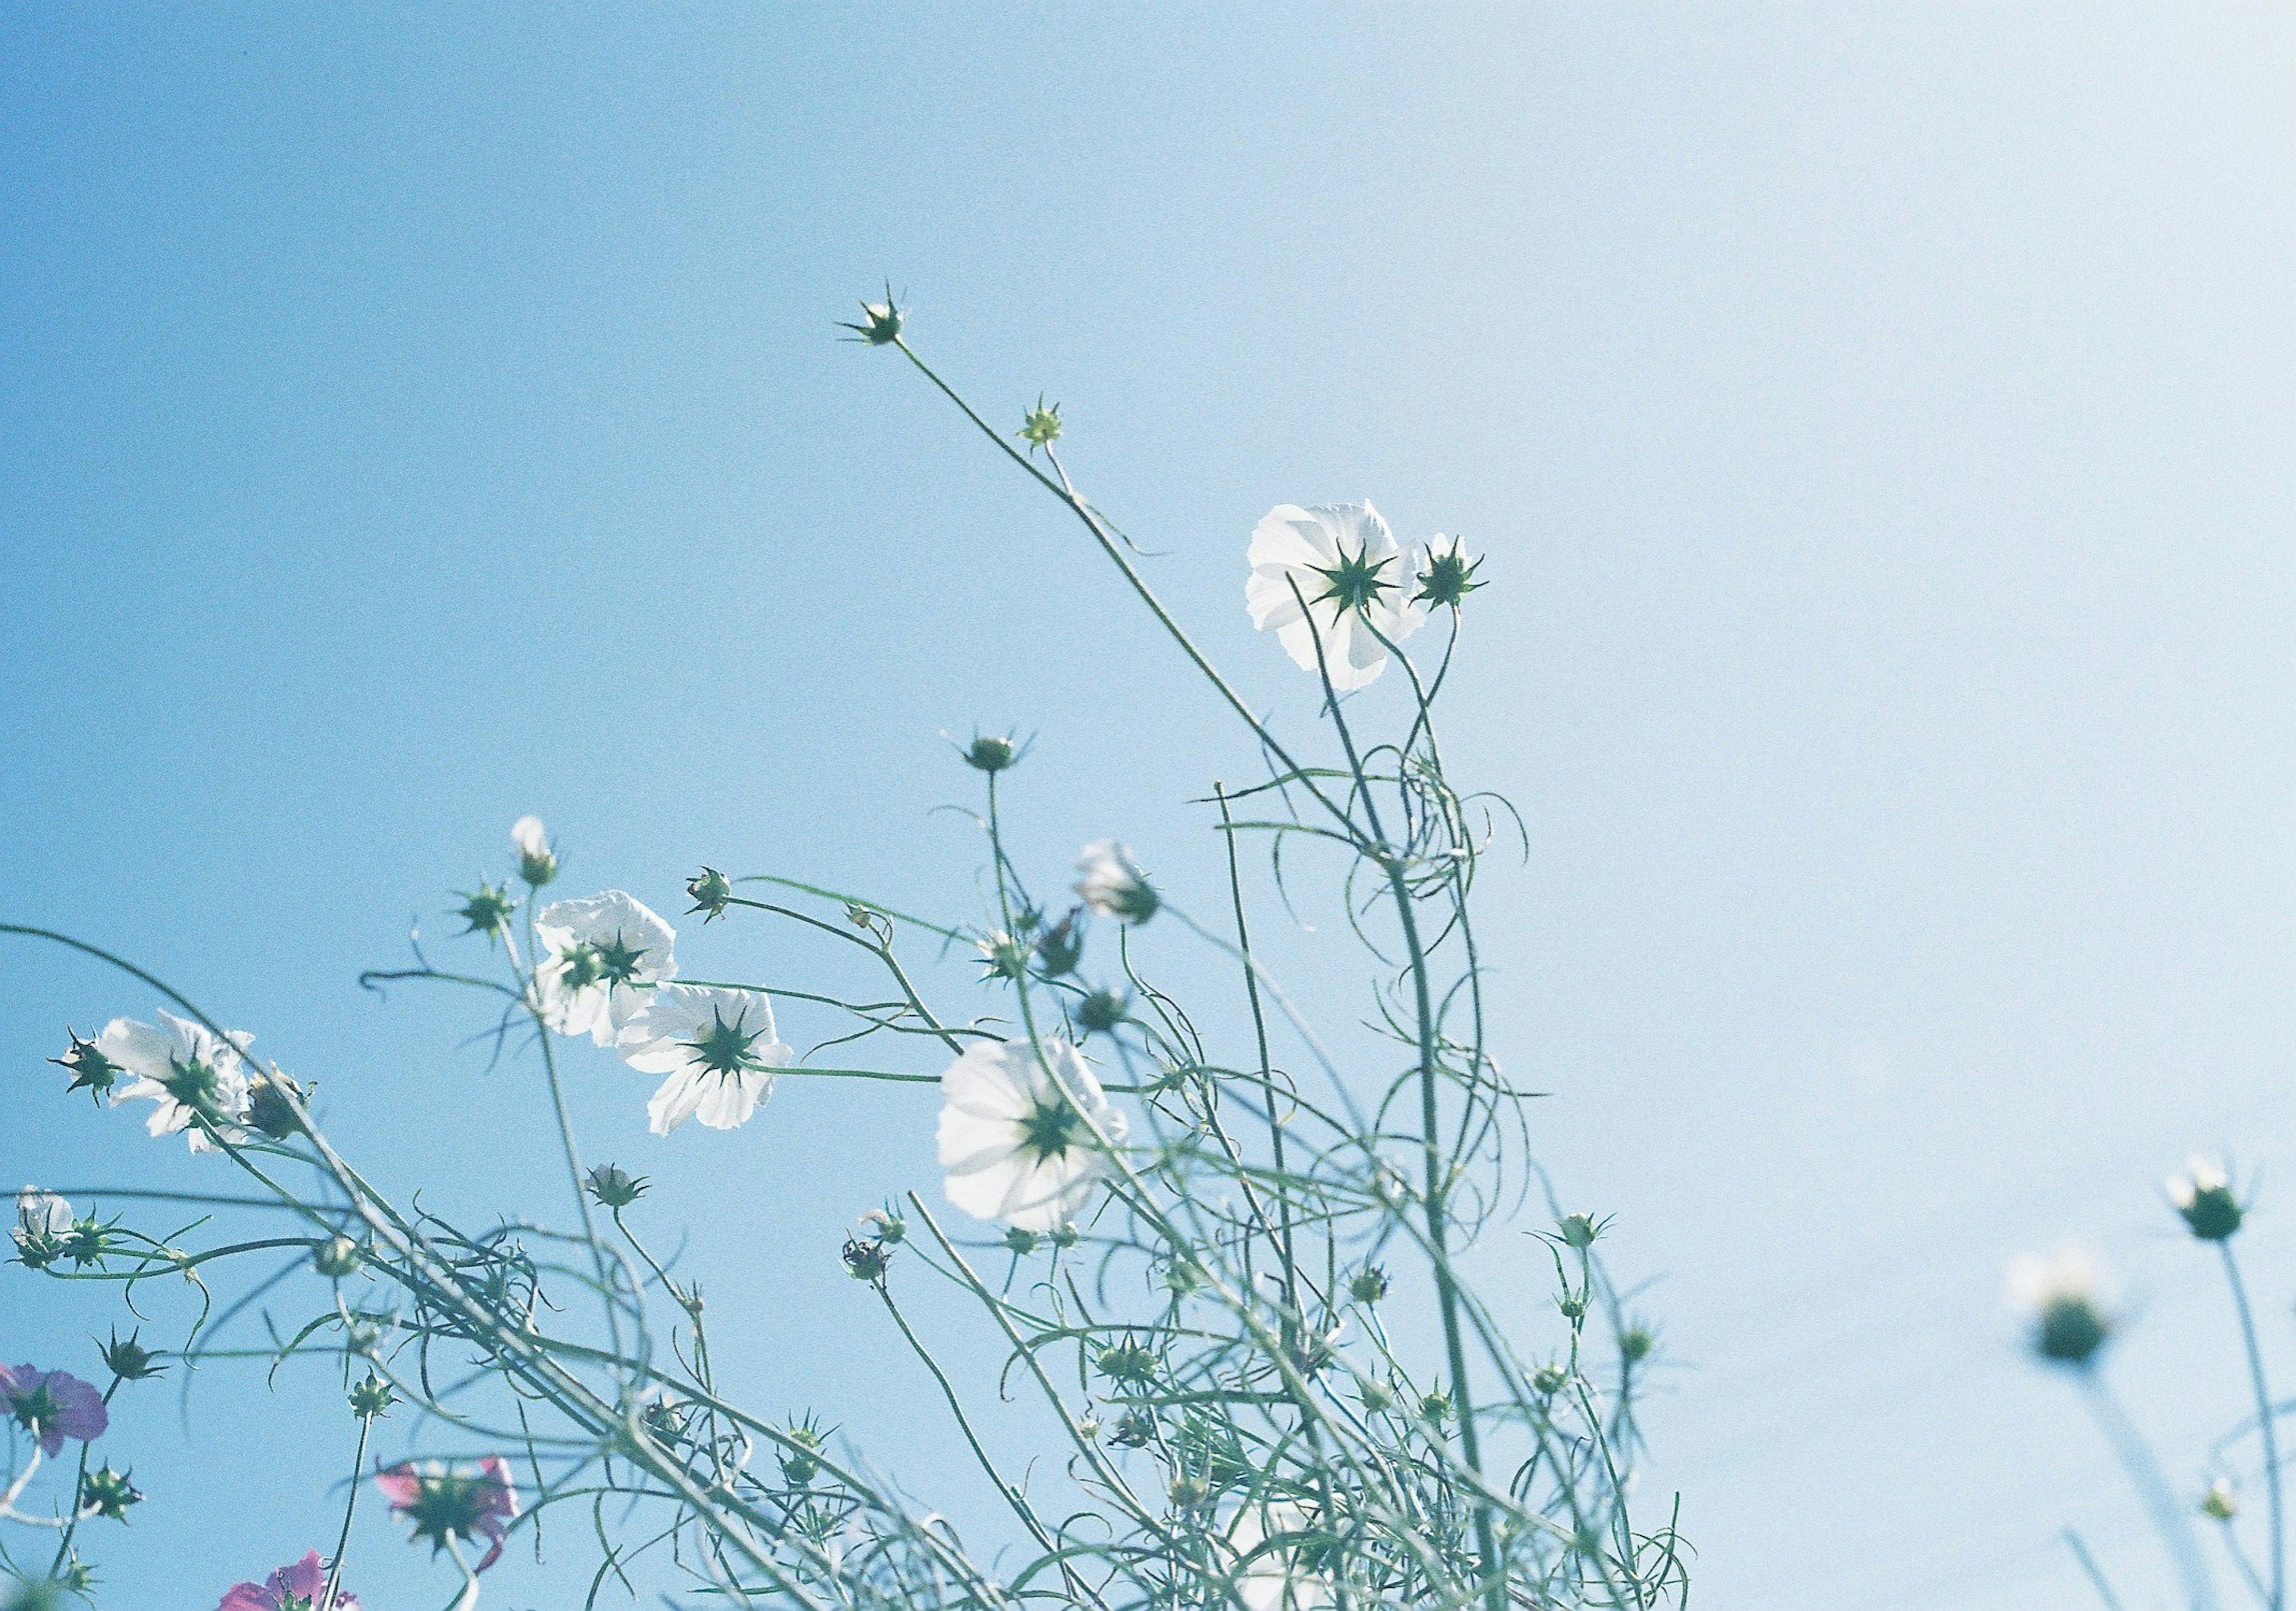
x,y
305,1579
249,1597
82,1413
400,1486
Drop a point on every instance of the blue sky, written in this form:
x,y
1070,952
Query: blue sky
x,y
1876,419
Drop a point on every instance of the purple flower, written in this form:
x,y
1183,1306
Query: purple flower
x,y
445,1504
296,1588
53,1405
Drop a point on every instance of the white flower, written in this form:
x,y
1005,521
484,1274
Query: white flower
x,y
187,1070
41,1217
1111,882
1347,570
1275,1579
599,953
716,1046
1017,1149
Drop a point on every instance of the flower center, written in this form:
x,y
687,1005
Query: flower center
x,y
193,1083
34,1411
1355,581
618,960
1047,1130
724,1049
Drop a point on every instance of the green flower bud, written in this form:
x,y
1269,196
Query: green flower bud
x,y
1368,1285
1041,427
1549,1380
886,1225
127,1359
1435,1407
1060,947
337,1258
107,1493
1446,575
2202,1195
1135,1429
269,1107
1635,1345
614,1187
1064,1236
1128,1362
711,892
487,910
1579,1230
1020,1241
864,1259
1103,1010
2220,1503
91,1070
880,321
372,1397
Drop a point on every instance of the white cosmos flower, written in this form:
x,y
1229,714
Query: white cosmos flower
x,y
528,834
716,1046
1017,1149
1275,1579
1347,570
184,1069
41,1216
1111,882
597,952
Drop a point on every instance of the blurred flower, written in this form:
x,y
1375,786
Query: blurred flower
x,y
886,1226
336,1258
1020,1242
107,1493
1015,1143
91,1070
195,1077
537,863
53,1405
1369,1285
1102,1009
1111,882
295,1588
1060,947
1635,1343
716,1046
1446,575
43,1221
598,952
991,753
1345,567
1275,1555
445,1503
800,1458
2068,1298
2203,1195
2220,1502
1549,1380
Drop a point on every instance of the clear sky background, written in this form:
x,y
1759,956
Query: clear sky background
x,y
1878,419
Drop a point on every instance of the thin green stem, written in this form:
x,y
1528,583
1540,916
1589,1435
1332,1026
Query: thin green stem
x,y
2265,1422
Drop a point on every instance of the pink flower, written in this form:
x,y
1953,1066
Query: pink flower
x,y
296,1588
53,1405
449,1504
